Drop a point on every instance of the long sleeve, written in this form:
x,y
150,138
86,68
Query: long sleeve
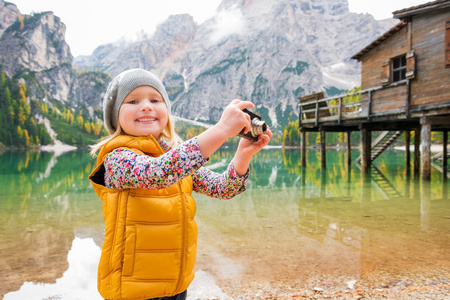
x,y
223,186
127,169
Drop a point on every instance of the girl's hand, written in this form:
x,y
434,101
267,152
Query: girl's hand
x,y
233,119
246,150
250,148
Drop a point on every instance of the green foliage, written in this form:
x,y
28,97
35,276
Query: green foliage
x,y
298,69
236,57
286,116
291,134
25,21
263,112
80,135
346,100
187,131
333,91
260,90
18,128
174,85
298,92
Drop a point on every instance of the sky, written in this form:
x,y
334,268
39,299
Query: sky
x,y
91,23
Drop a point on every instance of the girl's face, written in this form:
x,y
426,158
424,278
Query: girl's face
x,y
143,112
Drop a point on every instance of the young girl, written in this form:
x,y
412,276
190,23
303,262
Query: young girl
x,y
145,176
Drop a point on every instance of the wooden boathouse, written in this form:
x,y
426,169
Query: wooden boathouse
x,y
405,87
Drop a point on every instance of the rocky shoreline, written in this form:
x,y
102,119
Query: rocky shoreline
x,y
204,287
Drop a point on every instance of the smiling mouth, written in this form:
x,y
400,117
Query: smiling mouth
x,y
146,120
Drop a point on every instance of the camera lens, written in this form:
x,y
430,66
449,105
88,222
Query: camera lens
x,y
258,127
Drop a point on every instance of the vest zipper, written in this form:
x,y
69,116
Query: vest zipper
x,y
184,240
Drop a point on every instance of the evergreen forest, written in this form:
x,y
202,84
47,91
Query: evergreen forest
x,y
22,123
23,119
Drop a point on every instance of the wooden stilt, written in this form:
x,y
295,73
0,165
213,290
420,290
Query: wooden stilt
x,y
426,151
416,152
323,183
366,141
349,181
349,148
408,187
303,148
408,153
323,156
303,182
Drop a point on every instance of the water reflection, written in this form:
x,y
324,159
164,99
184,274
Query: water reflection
x,y
333,223
45,199
78,282
293,224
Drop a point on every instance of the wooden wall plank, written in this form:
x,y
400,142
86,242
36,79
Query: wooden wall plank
x,y
432,81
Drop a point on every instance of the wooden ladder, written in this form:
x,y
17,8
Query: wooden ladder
x,y
436,162
381,143
386,187
439,156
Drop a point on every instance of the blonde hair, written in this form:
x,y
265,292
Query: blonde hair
x,y
168,133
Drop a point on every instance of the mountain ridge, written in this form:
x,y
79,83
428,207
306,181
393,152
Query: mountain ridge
x,y
259,50
267,52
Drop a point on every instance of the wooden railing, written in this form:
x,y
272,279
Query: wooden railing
x,y
315,111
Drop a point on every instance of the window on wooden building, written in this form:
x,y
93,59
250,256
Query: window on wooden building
x,y
399,68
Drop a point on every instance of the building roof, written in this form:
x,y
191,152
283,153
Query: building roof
x,y
380,40
422,8
404,15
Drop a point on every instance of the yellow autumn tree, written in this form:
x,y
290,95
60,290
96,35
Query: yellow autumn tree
x,y
24,108
87,127
80,121
22,92
44,108
95,129
27,137
69,117
20,18
19,131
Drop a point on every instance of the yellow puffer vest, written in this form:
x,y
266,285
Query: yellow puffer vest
x,y
151,236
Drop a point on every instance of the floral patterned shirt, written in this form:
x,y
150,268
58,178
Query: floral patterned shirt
x,y
127,169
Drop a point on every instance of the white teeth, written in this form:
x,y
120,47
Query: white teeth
x,y
146,120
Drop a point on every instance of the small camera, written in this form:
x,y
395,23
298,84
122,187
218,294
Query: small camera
x,y
258,126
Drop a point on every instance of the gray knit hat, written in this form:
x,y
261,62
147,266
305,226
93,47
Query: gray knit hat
x,y
121,86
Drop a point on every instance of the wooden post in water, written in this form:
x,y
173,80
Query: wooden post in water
x,y
408,152
303,148
416,152
349,148
323,156
323,183
426,150
303,182
366,143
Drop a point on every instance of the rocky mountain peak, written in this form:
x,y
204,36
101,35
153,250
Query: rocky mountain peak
x,y
34,45
170,39
35,42
268,52
9,13
178,25
324,7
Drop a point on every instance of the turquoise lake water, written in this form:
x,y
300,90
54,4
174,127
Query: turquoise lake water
x,y
292,226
